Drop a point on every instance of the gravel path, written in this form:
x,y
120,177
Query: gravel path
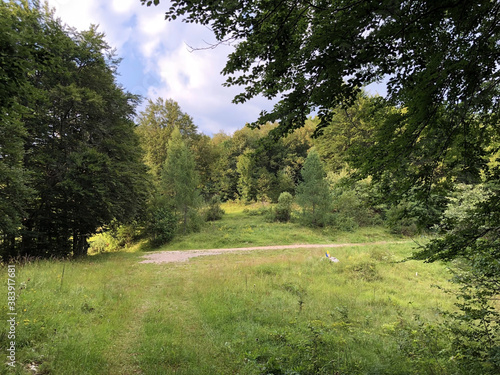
x,y
184,255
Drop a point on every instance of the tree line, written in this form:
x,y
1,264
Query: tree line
x,y
70,160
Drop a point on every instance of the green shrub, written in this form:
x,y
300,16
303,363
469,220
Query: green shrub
x,y
400,221
352,202
102,242
214,211
162,225
283,209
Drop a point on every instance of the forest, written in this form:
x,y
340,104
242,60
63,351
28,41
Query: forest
x,y
83,171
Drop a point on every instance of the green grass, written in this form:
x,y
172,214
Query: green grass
x,y
239,228
276,312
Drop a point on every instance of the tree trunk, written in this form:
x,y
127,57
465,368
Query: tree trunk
x,y
80,245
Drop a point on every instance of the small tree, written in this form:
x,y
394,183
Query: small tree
x,y
179,178
246,180
313,194
284,208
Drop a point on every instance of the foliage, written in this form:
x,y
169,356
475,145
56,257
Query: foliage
x,y
214,211
247,185
313,194
353,202
162,224
304,52
398,219
80,150
179,180
469,232
350,129
283,210
14,179
155,126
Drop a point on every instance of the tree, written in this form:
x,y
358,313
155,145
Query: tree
x,y
14,179
80,150
155,126
350,130
313,194
283,210
318,53
179,178
247,182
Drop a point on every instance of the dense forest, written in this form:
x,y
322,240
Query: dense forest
x,y
76,159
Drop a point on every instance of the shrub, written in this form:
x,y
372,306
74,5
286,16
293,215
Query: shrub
x,y
214,211
400,221
283,209
102,242
162,225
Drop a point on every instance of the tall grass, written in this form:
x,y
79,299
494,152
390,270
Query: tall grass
x,y
279,312
262,312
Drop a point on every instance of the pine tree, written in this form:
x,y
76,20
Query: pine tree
x,y
313,194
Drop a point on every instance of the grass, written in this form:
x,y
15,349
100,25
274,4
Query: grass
x,y
244,226
261,312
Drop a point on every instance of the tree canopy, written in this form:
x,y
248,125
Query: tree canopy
x,y
317,54
73,162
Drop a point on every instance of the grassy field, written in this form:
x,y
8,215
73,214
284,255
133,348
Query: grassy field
x,y
260,312
244,226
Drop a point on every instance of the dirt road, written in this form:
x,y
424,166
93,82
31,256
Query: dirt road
x,y
184,255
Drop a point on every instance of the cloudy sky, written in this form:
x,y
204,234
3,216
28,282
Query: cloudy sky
x,y
158,60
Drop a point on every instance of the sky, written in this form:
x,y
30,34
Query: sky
x,y
158,60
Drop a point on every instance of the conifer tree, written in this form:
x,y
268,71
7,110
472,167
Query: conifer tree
x,y
313,194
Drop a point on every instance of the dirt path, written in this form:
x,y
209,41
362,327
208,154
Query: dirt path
x,y
184,255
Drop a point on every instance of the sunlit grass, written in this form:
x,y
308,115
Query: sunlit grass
x,y
244,226
275,311
244,313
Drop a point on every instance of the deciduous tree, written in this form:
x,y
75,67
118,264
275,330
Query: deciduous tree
x,y
179,182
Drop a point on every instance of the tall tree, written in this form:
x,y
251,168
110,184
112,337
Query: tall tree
x,y
179,178
155,126
247,183
350,130
80,149
14,61
318,53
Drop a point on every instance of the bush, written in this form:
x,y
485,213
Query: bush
x,y
162,226
214,211
102,242
283,209
126,234
400,221
351,202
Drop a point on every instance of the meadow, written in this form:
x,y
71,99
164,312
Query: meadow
x,y
261,312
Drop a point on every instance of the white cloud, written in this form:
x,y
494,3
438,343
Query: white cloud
x,y
79,14
124,6
168,69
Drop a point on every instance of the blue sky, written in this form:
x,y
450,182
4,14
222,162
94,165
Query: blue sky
x,y
157,60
